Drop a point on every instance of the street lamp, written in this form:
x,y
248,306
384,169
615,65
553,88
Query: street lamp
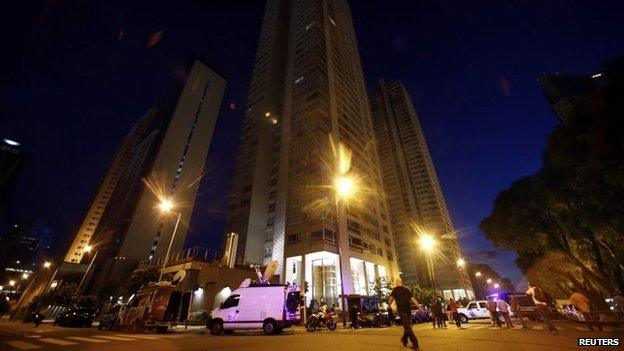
x,y
461,262
47,264
427,242
496,286
87,249
11,282
166,206
25,276
489,281
477,274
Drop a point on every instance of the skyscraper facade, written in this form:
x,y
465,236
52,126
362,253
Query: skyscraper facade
x,y
308,85
163,157
571,97
415,199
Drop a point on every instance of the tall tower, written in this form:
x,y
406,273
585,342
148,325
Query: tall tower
x,y
307,85
414,196
104,192
169,164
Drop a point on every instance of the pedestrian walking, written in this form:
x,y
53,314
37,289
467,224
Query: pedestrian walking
x,y
504,308
515,306
404,298
390,314
539,298
581,303
618,305
436,313
491,307
353,316
453,306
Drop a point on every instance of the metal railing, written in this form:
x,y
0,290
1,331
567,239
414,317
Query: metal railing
x,y
191,254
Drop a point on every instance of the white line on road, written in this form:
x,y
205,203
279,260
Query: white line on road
x,y
80,338
139,336
22,345
57,341
117,338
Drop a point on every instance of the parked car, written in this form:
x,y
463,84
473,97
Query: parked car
x,y
76,316
257,306
373,318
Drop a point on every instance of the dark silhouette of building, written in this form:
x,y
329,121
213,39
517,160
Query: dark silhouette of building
x,y
12,160
571,97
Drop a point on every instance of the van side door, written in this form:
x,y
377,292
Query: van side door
x,y
230,310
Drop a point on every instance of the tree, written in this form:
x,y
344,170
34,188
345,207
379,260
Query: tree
x,y
140,279
424,296
566,221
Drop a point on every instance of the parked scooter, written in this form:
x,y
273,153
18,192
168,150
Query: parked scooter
x,y
321,320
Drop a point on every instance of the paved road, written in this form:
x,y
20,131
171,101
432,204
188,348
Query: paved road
x,y
477,336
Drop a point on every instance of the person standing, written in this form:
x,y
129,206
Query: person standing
x,y
515,306
436,313
353,316
539,298
491,307
581,303
453,306
503,307
404,298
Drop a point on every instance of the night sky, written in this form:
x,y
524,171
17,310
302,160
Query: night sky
x,y
75,75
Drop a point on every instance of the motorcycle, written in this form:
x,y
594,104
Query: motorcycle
x,y
320,320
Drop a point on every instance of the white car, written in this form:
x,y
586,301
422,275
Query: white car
x,y
475,310
257,306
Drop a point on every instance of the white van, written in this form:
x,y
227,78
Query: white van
x,y
257,306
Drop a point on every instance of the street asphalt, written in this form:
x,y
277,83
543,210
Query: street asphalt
x,y
475,336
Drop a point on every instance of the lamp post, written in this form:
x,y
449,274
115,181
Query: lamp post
x,y
87,249
461,263
428,243
166,206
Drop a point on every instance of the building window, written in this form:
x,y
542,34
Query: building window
x,y
293,238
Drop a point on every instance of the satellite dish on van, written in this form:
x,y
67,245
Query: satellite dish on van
x,y
179,277
269,271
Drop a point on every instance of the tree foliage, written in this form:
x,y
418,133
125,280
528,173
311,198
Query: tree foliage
x,y
566,221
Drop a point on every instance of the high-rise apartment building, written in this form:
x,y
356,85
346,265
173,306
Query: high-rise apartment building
x,y
571,96
163,157
105,190
308,84
415,199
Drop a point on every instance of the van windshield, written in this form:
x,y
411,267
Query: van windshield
x,y
231,301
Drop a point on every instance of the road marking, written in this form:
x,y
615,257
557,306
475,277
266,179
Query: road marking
x,y
57,341
174,336
118,338
139,336
80,338
22,345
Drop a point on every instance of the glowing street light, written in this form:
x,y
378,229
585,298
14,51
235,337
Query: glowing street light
x,y
427,242
496,286
87,248
12,282
1,287
477,274
25,276
47,264
489,281
166,205
345,186
461,262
